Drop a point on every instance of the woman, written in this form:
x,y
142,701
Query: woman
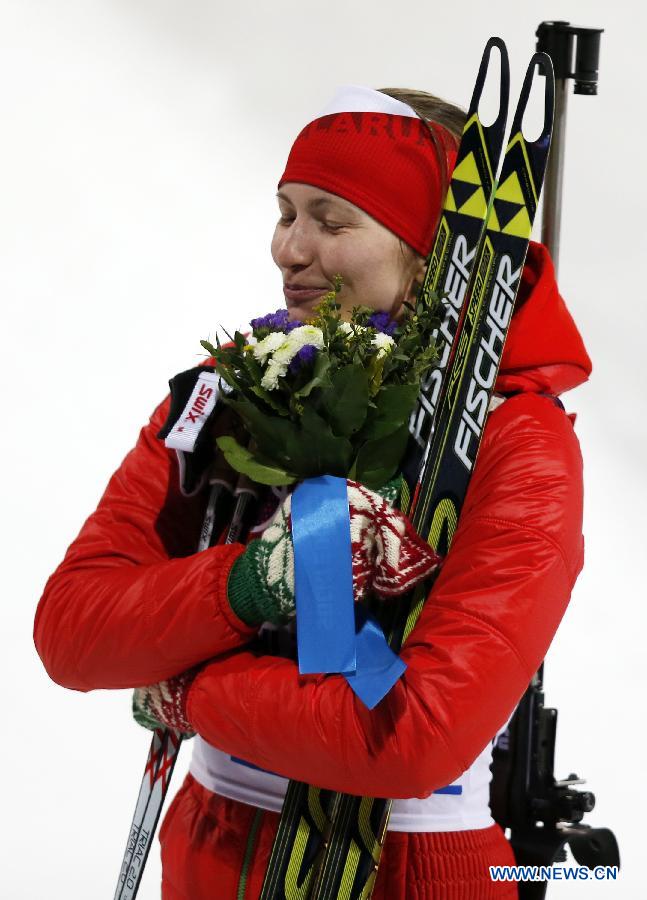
x,y
132,603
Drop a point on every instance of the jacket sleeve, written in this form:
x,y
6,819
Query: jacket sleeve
x,y
132,603
482,634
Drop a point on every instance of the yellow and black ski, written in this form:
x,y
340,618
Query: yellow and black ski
x,y
308,811
350,864
459,231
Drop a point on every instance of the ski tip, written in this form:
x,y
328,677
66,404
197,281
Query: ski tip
x,y
496,41
540,63
493,44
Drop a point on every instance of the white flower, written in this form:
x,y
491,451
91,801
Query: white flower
x,y
384,344
283,348
294,341
268,345
349,330
283,356
270,380
306,334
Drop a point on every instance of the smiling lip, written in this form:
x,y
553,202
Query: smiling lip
x,y
301,293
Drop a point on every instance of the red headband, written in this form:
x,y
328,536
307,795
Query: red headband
x,y
388,165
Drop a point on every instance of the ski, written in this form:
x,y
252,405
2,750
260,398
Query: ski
x,y
459,231
301,836
305,819
166,743
350,866
162,757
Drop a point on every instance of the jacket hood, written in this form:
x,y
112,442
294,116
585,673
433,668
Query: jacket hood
x,y
544,351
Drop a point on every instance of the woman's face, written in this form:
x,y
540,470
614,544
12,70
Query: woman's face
x,y
320,235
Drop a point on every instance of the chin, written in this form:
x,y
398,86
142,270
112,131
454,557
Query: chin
x,y
299,313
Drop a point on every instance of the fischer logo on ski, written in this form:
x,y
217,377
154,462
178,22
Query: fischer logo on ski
x,y
488,353
457,238
455,288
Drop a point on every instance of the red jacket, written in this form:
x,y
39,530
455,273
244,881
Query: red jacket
x,y
132,603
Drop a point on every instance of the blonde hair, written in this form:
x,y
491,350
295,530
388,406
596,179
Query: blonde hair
x,y
431,108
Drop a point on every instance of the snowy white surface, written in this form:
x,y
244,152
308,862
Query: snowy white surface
x,y
141,144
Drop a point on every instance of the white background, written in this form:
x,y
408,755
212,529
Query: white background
x,y
141,142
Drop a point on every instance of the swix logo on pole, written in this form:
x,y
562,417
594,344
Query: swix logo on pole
x,y
486,363
199,407
454,288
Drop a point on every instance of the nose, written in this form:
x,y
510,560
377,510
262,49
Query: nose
x,y
292,245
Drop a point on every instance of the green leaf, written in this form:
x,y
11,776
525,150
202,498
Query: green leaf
x,y
253,367
346,400
328,454
379,460
393,406
267,397
375,370
319,376
278,439
244,461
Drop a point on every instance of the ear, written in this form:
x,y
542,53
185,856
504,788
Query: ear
x,y
421,268
418,274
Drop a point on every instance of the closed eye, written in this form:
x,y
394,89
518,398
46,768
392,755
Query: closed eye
x,y
331,227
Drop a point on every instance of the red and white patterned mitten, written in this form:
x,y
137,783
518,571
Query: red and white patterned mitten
x,y
164,704
389,556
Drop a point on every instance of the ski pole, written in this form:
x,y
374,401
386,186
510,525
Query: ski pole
x,y
165,743
575,53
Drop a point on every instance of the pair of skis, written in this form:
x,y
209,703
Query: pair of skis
x,y
328,845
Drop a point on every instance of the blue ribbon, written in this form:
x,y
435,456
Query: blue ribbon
x,y
335,635
378,667
323,576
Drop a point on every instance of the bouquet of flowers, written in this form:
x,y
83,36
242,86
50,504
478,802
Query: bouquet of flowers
x,y
326,396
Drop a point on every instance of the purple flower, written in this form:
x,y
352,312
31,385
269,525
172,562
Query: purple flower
x,y
304,357
381,321
261,322
276,321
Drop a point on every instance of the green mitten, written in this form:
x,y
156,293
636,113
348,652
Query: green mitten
x,y
261,582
